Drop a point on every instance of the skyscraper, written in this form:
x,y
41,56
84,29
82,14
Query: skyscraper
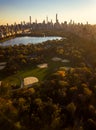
x,y
30,19
47,19
56,18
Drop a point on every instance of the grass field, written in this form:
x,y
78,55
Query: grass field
x,y
40,73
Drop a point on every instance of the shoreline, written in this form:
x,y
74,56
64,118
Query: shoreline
x,y
10,38
37,33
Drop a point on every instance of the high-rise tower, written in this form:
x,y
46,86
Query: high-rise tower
x,y
30,19
47,19
56,18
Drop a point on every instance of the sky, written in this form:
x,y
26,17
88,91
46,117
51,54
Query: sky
x,y
81,11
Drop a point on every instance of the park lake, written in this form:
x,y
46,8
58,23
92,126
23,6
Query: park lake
x,y
28,40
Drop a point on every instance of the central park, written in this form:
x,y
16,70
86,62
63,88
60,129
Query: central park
x,y
49,85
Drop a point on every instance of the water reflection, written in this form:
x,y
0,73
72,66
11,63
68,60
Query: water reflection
x,y
26,40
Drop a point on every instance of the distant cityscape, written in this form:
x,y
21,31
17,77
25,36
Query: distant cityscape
x,y
26,28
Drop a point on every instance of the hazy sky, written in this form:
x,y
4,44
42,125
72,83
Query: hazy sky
x,y
19,10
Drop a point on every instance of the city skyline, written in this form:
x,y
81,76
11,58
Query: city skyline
x,y
12,11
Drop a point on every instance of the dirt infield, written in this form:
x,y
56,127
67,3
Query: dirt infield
x,y
60,59
30,80
45,65
2,65
65,61
56,59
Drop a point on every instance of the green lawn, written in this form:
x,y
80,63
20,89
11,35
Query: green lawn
x,y
36,72
40,73
15,79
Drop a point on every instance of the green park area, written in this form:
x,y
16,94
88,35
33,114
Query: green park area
x,y
51,85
